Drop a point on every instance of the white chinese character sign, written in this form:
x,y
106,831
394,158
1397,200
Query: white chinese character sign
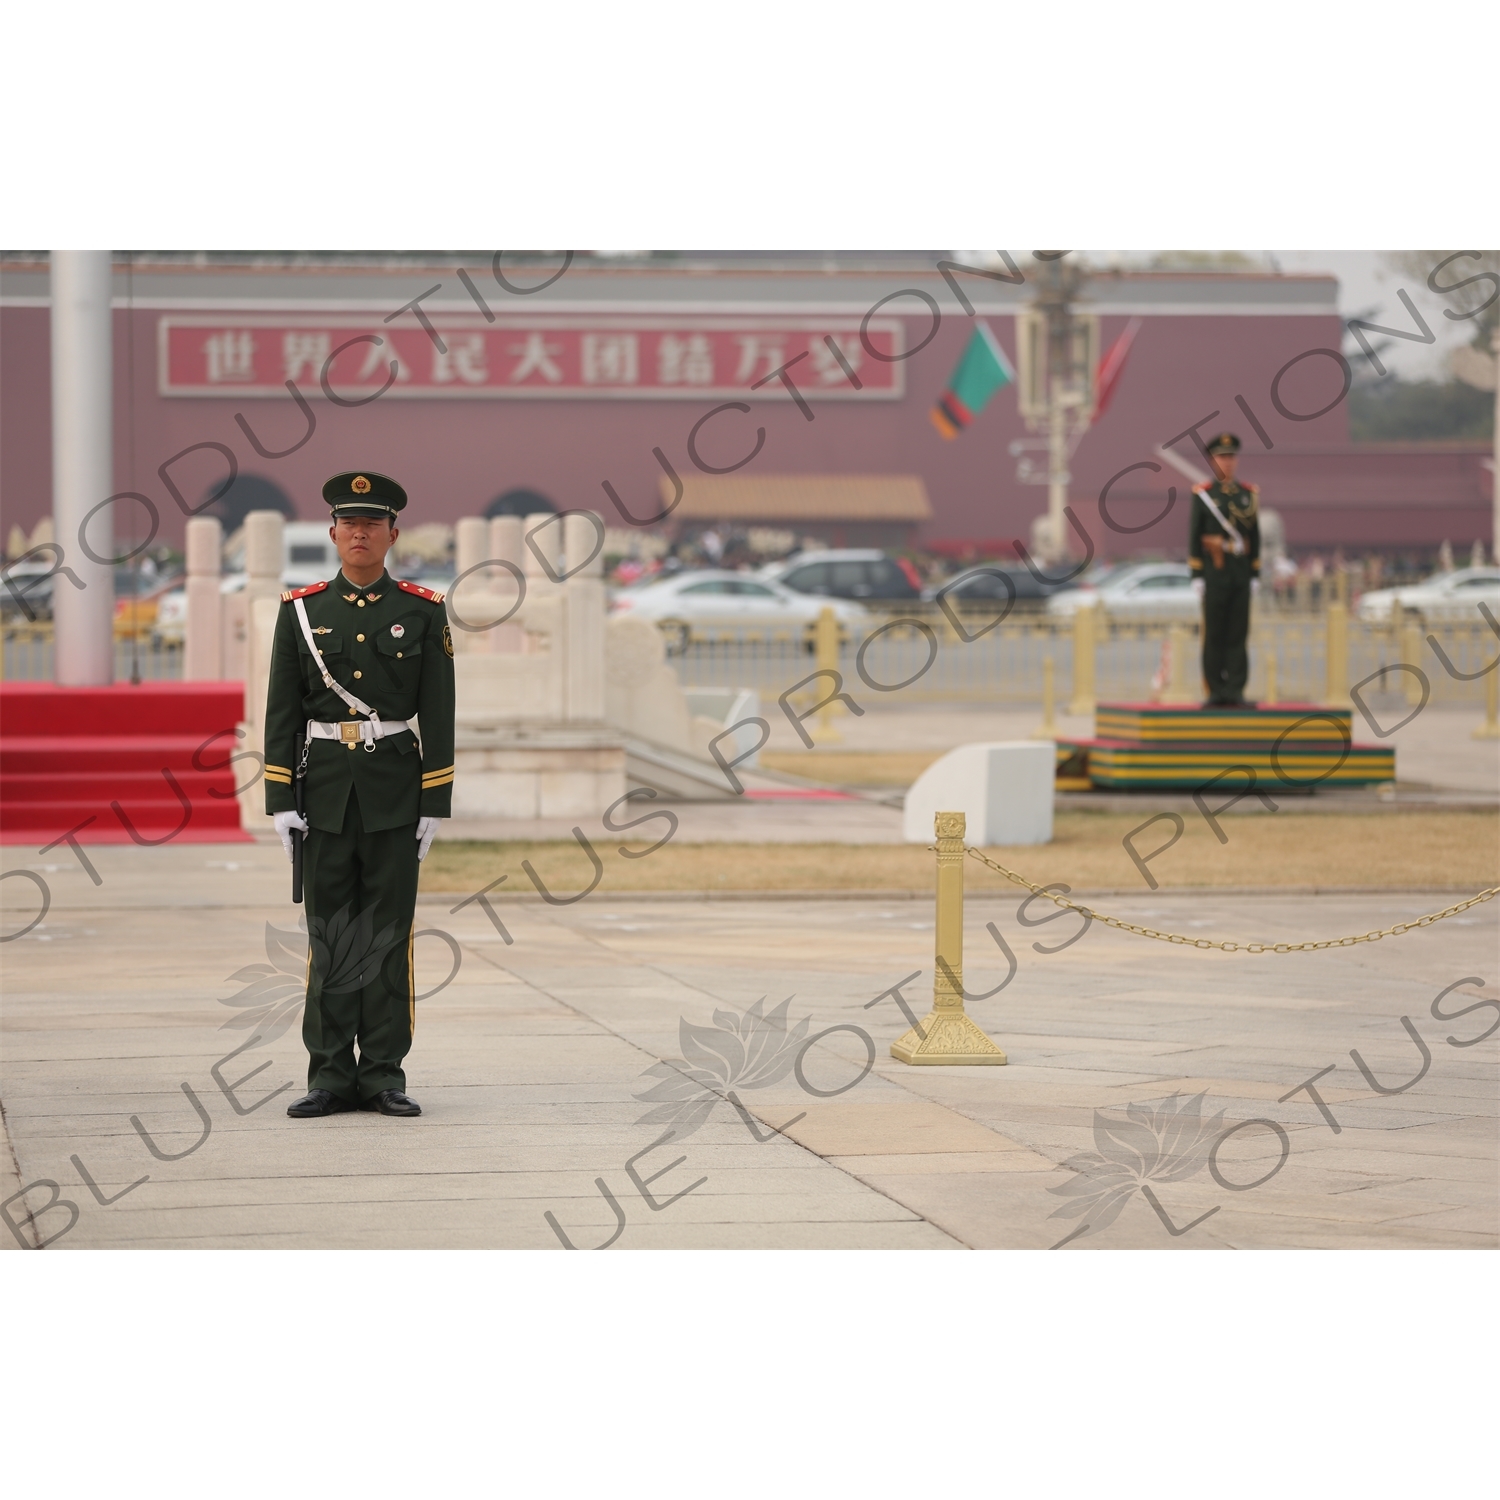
x,y
229,356
603,358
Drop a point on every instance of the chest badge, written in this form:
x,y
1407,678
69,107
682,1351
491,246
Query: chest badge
x,y
322,630
397,631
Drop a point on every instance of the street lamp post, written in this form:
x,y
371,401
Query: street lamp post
x,y
1057,358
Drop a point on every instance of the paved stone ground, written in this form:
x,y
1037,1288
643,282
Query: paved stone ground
x,y
529,1061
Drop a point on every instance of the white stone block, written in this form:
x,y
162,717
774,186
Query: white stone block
x,y
470,543
578,794
203,642
506,546
494,794
584,688
264,532
1004,789
204,539
542,537
505,541
234,641
203,647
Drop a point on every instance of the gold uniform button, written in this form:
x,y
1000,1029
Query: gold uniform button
x,y
398,656
361,603
359,674
359,637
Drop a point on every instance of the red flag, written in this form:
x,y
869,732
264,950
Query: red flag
x,y
1107,376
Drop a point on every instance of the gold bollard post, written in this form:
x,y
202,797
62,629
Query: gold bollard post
x,y
1179,687
1048,727
1084,632
1337,679
1490,729
948,1037
1411,653
826,647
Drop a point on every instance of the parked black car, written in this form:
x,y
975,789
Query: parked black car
x,y
994,583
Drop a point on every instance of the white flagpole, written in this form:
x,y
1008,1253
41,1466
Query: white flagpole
x,y
82,465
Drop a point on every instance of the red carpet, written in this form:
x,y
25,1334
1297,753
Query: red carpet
x,y
71,754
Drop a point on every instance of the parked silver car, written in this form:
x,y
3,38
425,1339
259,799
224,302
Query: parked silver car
x,y
1160,590
1444,596
710,602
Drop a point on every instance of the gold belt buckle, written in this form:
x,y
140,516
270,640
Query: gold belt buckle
x,y
349,732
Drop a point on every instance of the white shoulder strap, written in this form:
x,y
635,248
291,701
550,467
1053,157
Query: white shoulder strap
x,y
356,704
1236,541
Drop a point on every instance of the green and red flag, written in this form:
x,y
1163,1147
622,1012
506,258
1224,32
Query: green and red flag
x,y
981,372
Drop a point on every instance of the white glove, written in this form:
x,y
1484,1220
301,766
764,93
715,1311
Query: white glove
x,y
285,822
426,827
1254,587
1197,588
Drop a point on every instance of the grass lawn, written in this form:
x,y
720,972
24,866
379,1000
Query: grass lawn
x,y
1370,851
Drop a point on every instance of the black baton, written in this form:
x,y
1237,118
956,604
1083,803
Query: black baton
x,y
298,795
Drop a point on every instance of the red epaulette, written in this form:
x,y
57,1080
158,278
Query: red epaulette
x,y
419,591
313,588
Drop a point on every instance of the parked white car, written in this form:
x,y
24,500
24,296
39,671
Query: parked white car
x,y
1445,596
709,603
1161,590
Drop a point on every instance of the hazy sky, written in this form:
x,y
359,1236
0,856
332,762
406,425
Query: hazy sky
x,y
1365,281
1367,289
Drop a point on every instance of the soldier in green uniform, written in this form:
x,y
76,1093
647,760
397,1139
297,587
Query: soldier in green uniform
x,y
354,661
1224,554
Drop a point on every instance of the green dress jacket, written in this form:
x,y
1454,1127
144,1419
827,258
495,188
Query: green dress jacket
x,y
388,644
1239,504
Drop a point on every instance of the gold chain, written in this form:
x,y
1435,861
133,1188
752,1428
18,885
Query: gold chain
x,y
1172,937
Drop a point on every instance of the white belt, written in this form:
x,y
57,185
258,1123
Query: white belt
x,y
352,732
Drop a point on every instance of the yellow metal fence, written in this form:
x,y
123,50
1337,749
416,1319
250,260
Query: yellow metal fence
x,y
918,655
1295,656
27,654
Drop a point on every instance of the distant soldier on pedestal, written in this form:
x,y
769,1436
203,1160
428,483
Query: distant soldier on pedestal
x,y
1224,554
353,662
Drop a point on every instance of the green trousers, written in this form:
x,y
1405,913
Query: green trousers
x,y
1226,625
360,890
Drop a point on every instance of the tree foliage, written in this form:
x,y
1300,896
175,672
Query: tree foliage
x,y
1392,411
1478,304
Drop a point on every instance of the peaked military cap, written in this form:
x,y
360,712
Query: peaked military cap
x,y
364,494
1226,442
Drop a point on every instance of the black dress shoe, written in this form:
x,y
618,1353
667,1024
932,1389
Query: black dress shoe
x,y
317,1102
392,1102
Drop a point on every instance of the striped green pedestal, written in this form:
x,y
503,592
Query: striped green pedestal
x,y
1140,745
